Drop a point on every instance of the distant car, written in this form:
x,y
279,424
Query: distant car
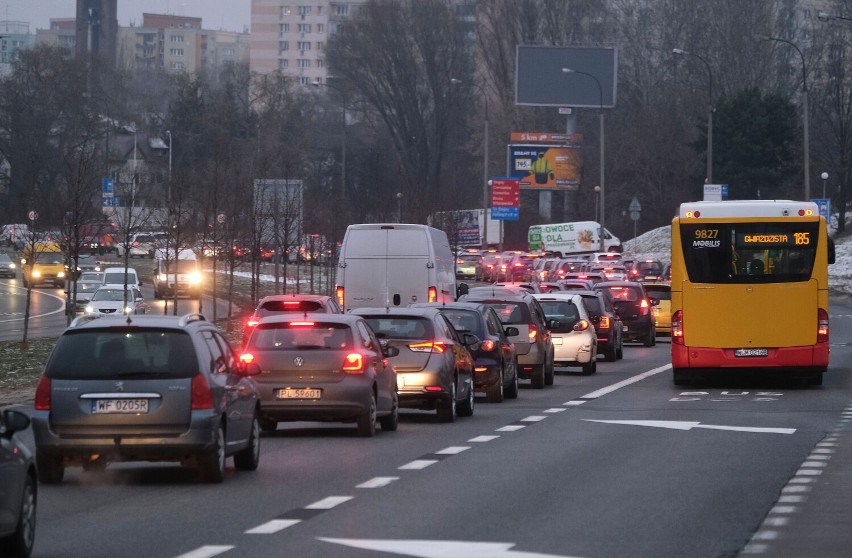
x,y
88,263
592,277
326,367
608,326
490,266
646,270
469,266
18,488
575,284
565,266
574,340
117,276
633,306
146,388
83,293
7,266
516,266
528,286
533,344
141,245
289,304
110,299
495,363
661,294
434,366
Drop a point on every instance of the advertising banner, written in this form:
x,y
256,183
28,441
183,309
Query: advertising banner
x,y
545,167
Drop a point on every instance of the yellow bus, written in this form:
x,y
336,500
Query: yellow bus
x,y
750,288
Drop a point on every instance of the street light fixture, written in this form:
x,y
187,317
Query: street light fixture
x,y
601,122
806,142
318,83
681,52
824,177
485,200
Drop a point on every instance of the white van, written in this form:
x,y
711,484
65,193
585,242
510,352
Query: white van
x,y
580,237
394,265
176,273
115,276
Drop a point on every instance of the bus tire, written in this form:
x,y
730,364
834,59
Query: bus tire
x,y
680,377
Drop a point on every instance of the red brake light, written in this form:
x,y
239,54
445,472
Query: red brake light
x,y
301,324
339,293
433,294
532,333
643,307
291,303
252,322
488,345
822,326
247,358
354,362
582,325
428,347
201,396
42,395
677,328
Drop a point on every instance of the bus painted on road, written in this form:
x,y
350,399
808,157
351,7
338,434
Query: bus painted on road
x,y
750,288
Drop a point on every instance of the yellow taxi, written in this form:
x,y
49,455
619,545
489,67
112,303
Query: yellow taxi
x,y
661,312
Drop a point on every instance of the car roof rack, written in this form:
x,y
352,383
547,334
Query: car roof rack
x,y
80,320
189,318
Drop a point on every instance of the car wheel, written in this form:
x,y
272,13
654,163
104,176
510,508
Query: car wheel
x,y
367,420
447,408
268,425
619,352
212,463
611,353
538,379
590,367
495,393
649,339
654,336
465,409
50,467
549,373
390,423
249,458
20,543
511,392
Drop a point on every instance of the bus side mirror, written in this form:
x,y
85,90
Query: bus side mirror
x,y
831,250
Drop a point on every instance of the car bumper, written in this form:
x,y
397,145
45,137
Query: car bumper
x,y
637,329
782,357
574,350
340,401
487,373
422,390
124,444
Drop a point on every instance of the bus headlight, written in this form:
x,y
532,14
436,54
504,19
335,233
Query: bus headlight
x,y
61,274
195,277
36,273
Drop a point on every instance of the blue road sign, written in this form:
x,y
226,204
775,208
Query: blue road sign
x,y
107,187
505,213
111,202
824,205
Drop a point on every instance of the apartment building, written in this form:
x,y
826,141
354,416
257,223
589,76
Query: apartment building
x,y
291,35
14,36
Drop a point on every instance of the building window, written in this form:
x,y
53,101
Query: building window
x,y
304,10
320,63
175,52
177,66
283,45
320,28
285,28
176,38
304,81
303,63
229,51
304,28
319,10
304,45
285,11
341,9
283,64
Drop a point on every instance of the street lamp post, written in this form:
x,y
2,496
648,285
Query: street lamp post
x,y
824,177
169,133
318,83
602,143
806,141
399,207
681,52
597,196
485,136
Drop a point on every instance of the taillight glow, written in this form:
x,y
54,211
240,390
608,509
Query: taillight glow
x,y
292,303
434,388
433,294
354,362
248,358
428,347
302,324
488,345
604,323
252,322
202,398
339,292
644,306
677,328
822,326
582,325
42,395
532,333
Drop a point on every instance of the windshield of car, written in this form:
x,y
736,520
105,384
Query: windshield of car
x,y
113,295
401,327
116,353
300,335
4,258
593,304
180,266
465,321
48,257
93,277
623,293
118,278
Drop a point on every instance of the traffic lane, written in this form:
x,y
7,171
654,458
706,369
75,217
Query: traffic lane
x,y
300,464
47,311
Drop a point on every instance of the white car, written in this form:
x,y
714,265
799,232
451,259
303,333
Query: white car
x,y
575,342
109,300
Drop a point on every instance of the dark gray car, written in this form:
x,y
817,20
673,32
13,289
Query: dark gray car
x,y
145,388
18,488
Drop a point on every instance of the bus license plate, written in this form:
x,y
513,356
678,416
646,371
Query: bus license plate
x,y
290,393
751,353
119,406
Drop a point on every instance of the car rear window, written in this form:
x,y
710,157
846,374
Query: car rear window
x,y
280,306
116,353
660,293
401,327
593,304
302,336
652,267
563,311
625,293
511,312
118,278
465,321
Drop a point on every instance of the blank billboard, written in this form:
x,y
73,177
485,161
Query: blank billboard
x,y
540,81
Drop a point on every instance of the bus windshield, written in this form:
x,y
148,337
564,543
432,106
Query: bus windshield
x,y
755,252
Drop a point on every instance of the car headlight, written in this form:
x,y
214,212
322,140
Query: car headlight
x,y
36,273
195,277
128,309
163,277
90,309
11,266
61,274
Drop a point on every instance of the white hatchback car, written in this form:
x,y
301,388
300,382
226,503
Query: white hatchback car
x,y
575,342
110,300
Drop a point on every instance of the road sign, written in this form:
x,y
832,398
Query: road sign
x,y
824,205
33,215
107,187
114,201
634,205
505,192
634,215
505,213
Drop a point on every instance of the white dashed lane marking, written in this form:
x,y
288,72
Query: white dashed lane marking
x,y
207,551
418,464
510,428
452,450
535,418
377,482
483,438
273,526
328,503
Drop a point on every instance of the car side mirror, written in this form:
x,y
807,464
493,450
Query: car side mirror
x,y
553,324
469,339
14,421
390,352
249,369
511,331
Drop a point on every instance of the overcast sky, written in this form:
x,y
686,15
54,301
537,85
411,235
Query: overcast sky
x,y
230,15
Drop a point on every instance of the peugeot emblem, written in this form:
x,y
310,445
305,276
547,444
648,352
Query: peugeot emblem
x,y
119,386
298,361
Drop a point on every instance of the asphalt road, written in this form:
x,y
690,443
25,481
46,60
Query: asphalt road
x,y
621,463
